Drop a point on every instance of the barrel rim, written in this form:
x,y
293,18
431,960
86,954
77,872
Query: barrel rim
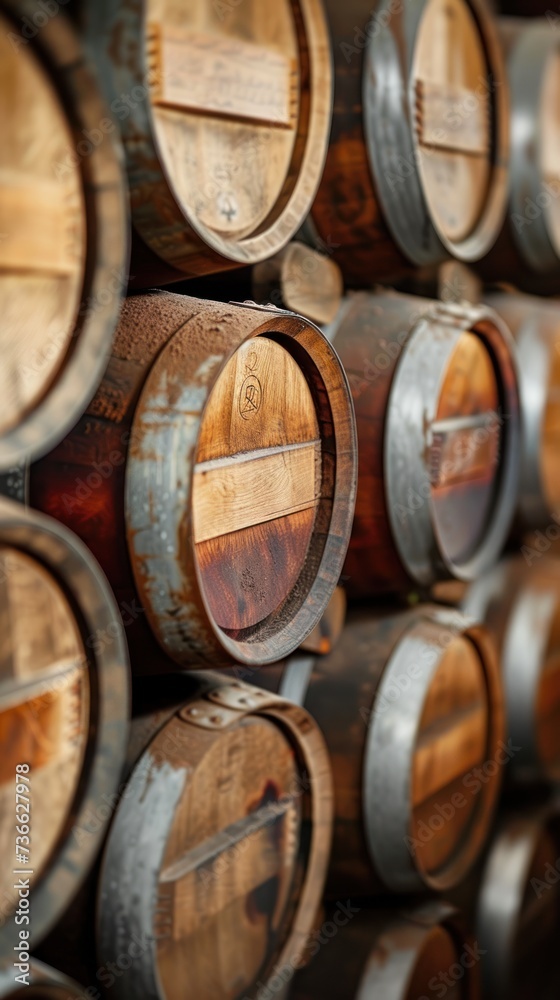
x,y
411,403
202,640
86,588
526,67
175,238
394,732
306,735
389,135
503,886
57,46
391,969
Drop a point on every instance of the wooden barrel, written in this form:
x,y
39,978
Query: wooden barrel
x,y
390,954
215,862
535,325
63,716
39,983
528,250
435,392
518,912
416,168
225,112
302,280
520,605
223,451
63,231
411,709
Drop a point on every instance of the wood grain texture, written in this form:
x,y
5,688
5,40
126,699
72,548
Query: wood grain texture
x,y
454,718
236,867
224,167
301,279
222,456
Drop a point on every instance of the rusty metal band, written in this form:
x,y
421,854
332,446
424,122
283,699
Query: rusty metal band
x,y
136,844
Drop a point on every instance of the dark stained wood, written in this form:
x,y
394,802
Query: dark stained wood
x,y
225,519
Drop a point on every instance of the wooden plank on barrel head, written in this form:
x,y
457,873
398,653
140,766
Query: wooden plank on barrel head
x,y
224,76
448,751
437,105
242,491
39,234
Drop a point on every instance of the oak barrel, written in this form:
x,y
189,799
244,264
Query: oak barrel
x,y
225,112
519,603
63,716
410,705
535,325
518,911
39,983
216,859
63,231
528,249
436,397
391,954
417,164
222,441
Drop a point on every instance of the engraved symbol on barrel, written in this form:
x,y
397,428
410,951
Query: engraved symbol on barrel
x,y
250,397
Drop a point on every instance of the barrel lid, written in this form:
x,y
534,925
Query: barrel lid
x,y
451,444
224,854
258,451
63,677
63,233
238,120
438,719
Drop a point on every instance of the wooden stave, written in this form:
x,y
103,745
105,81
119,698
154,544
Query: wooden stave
x,y
87,590
201,643
186,250
383,243
59,49
389,321
358,847
204,691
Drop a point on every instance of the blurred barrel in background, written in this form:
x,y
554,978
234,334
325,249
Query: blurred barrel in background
x,y
437,409
529,246
219,848
223,444
63,232
225,112
391,955
535,325
520,606
518,912
417,163
43,983
63,713
411,708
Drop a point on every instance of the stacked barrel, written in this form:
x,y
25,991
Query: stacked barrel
x,y
279,676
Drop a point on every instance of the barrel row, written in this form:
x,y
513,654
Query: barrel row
x,y
222,118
